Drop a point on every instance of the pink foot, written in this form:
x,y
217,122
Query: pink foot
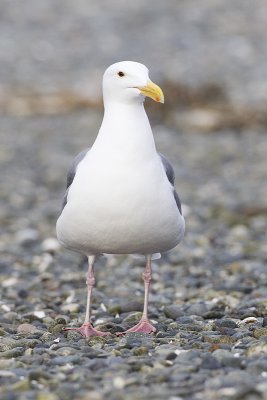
x,y
143,326
87,330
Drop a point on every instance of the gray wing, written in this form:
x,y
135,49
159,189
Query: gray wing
x,y
171,177
72,172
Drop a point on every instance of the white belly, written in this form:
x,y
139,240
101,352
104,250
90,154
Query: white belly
x,y
122,212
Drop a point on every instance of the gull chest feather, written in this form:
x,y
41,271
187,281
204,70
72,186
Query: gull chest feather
x,y
120,208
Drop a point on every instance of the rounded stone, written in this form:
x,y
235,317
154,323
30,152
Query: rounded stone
x,y
259,332
72,307
226,323
197,309
140,351
27,237
46,396
173,311
26,328
50,245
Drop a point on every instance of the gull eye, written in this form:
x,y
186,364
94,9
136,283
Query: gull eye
x,y
121,74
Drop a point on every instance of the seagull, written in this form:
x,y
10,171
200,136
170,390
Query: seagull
x,y
120,196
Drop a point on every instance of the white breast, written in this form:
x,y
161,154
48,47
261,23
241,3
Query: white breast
x,y
114,208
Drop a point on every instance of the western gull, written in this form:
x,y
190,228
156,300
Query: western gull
x,y
120,196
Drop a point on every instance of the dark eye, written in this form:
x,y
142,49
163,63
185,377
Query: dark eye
x,y
121,74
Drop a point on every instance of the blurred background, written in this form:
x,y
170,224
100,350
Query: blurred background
x,y
210,58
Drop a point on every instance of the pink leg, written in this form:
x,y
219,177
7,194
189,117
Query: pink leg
x,y
87,330
144,325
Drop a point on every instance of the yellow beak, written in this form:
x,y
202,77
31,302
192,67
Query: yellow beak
x,y
152,90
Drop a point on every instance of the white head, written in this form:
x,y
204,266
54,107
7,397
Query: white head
x,y
128,82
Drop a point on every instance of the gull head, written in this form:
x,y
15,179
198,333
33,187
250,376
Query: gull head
x,y
128,82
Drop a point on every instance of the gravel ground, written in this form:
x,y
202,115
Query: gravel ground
x,y
208,298
63,44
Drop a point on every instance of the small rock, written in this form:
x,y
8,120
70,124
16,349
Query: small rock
x,y
210,362
197,309
56,328
240,232
257,348
140,351
131,306
185,320
11,316
50,245
257,366
2,332
23,294
6,364
66,351
257,333
26,328
173,311
22,385
38,375
7,374
29,352
39,314
63,360
226,323
118,382
62,320
47,396
92,395
248,320
72,307
7,343
27,237
135,317
13,353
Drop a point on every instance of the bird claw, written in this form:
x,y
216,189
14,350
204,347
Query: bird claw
x,y
143,326
87,330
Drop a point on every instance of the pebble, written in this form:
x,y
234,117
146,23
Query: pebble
x,y
26,328
50,245
13,353
197,309
27,237
72,307
173,311
47,396
258,333
6,374
134,317
66,359
226,323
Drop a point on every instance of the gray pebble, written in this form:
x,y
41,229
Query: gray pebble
x,y
197,309
13,353
226,323
173,311
27,237
63,360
